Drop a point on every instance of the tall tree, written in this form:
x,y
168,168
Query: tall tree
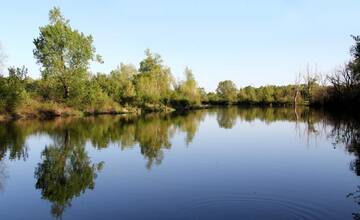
x,y
189,89
64,54
122,79
153,83
227,90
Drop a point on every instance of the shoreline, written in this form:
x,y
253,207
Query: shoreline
x,y
69,112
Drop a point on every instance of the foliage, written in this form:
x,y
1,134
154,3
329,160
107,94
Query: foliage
x,y
188,90
153,83
266,95
64,54
227,91
12,89
122,83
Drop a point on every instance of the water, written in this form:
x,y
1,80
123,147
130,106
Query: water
x,y
226,163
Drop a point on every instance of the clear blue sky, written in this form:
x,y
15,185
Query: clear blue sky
x,y
250,42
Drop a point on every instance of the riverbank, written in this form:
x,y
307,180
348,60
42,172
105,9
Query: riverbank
x,y
51,110
38,110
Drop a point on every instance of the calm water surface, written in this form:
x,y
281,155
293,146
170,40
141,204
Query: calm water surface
x,y
229,163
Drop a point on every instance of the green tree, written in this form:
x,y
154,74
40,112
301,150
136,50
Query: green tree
x,y
227,90
122,83
65,55
203,95
266,94
188,89
95,98
153,83
12,89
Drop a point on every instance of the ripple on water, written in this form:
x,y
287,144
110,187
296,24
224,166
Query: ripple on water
x,y
252,206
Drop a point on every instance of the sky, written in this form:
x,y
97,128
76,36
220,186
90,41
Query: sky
x,y
249,42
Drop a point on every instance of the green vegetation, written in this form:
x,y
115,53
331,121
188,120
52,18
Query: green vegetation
x,y
227,91
67,87
12,89
187,93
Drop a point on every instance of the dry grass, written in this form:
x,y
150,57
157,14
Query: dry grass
x,y
33,108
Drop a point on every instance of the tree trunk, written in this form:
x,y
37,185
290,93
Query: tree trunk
x,y
296,97
66,91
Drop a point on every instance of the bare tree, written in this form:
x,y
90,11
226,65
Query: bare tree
x,y
311,79
297,85
343,80
312,74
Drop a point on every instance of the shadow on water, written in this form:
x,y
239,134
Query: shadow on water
x,y
66,170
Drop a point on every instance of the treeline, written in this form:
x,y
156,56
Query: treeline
x,y
340,90
68,87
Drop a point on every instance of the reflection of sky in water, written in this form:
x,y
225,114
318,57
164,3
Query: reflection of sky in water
x,y
248,169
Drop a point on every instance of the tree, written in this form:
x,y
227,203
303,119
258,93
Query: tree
x,y
311,83
354,65
153,83
188,88
203,95
122,82
266,94
12,89
227,90
346,81
65,55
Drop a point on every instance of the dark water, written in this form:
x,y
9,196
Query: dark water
x,y
230,163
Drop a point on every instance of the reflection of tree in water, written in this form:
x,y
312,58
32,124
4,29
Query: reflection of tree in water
x,y
274,114
12,141
65,172
153,133
356,197
12,146
346,131
189,123
226,117
3,175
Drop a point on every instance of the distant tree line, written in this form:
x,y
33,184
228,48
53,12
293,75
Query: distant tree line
x,y
67,86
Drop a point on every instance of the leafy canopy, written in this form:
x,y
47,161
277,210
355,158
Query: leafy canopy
x,y
227,90
64,54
